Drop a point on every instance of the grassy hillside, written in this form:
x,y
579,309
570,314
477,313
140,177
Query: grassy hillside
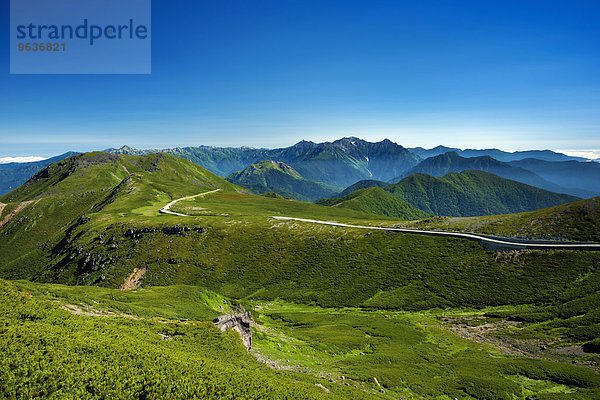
x,y
49,353
403,351
574,316
42,214
375,200
13,175
365,183
244,255
277,177
353,353
471,193
578,221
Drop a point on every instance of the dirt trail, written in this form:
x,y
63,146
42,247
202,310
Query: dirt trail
x,y
14,212
83,309
135,279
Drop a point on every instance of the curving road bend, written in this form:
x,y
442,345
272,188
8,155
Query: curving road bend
x,y
490,240
167,209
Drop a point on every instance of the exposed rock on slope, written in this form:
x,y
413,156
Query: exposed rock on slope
x,y
240,322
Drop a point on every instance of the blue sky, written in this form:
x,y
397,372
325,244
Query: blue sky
x,y
506,74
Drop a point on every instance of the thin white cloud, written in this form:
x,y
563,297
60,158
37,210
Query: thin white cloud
x,y
6,160
592,154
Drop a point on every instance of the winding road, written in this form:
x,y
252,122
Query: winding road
x,y
493,241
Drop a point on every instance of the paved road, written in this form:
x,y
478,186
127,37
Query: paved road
x,y
489,240
167,209
494,241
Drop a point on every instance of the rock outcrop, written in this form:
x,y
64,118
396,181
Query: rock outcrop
x,y
239,322
138,233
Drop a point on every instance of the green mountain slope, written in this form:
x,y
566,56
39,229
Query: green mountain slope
x,y
365,183
375,200
47,207
277,177
93,220
471,193
578,221
13,175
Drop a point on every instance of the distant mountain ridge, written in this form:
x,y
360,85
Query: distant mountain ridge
x,y
569,174
280,178
451,161
506,156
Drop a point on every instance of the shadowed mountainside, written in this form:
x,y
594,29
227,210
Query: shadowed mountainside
x,y
280,178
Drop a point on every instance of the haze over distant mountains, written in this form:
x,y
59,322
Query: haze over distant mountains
x,y
559,175
546,155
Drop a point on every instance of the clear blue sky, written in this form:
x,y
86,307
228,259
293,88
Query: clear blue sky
x,y
506,74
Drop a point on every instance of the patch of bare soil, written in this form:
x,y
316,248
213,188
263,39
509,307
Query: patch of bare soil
x,y
574,350
2,205
14,212
135,279
487,332
83,309
481,334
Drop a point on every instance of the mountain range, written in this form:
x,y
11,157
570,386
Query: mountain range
x,y
568,174
339,163
344,162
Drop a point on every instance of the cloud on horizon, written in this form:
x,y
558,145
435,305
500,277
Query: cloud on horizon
x,y
24,159
592,154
